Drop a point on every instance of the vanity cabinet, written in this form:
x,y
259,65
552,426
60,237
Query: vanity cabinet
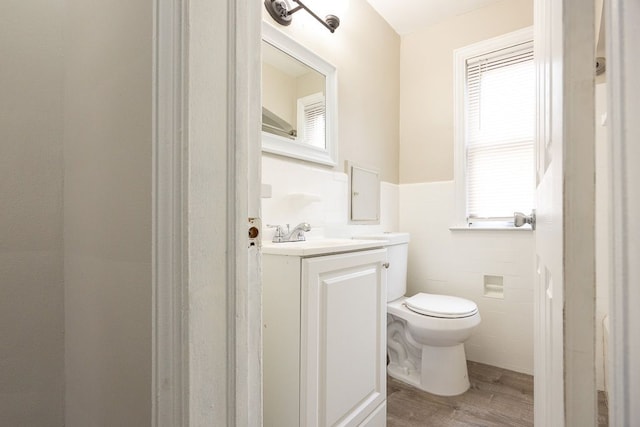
x,y
324,339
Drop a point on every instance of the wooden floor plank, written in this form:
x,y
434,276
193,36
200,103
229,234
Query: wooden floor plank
x,y
497,398
603,410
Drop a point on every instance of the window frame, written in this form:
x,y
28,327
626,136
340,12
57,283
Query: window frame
x,y
460,57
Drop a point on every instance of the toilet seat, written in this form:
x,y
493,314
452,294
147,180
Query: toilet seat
x,y
443,306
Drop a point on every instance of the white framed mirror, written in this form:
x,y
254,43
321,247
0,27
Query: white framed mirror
x,y
299,100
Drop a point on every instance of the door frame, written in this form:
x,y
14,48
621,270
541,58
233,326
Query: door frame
x,y
178,347
623,59
206,305
170,369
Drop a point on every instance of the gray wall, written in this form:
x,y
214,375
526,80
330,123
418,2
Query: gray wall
x,y
31,277
107,212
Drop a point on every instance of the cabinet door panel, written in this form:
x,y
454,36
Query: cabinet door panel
x,y
343,350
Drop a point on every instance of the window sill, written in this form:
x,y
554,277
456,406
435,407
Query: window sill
x,y
510,229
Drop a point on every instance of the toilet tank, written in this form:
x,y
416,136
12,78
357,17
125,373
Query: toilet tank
x,y
397,257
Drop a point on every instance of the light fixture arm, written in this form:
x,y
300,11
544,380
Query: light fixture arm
x,y
295,9
278,9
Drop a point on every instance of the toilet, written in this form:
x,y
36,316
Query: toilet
x,y
425,332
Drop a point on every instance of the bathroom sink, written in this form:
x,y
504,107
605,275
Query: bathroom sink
x,y
319,246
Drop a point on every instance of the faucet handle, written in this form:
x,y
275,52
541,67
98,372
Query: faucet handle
x,y
279,229
279,234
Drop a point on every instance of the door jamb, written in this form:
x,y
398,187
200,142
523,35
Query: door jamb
x,y
170,352
622,17
176,344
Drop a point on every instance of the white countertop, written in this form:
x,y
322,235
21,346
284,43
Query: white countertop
x,y
319,247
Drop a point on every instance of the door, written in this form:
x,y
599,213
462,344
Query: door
x,y
343,342
564,363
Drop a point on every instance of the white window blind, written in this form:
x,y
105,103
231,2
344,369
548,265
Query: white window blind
x,y
499,133
312,120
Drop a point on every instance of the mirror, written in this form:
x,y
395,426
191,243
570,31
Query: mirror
x,y
299,94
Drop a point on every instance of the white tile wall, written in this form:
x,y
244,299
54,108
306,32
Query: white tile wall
x,y
455,262
302,192
440,261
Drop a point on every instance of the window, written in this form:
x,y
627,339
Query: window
x,y
311,120
495,120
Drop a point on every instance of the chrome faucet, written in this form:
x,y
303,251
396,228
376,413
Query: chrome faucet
x,y
295,235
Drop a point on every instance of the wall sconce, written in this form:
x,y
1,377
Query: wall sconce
x,y
280,12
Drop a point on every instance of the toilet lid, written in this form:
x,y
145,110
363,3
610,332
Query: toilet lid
x,y
441,306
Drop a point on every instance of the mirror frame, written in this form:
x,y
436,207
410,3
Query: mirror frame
x,y
286,147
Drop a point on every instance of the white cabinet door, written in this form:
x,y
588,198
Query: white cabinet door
x,y
343,340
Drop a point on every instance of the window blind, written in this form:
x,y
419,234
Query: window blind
x,y
499,133
314,123
312,120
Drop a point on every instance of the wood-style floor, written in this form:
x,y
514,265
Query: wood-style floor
x,y
497,397
603,410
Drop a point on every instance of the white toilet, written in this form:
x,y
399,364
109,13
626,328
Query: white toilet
x,y
425,332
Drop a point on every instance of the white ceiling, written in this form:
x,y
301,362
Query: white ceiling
x,y
407,16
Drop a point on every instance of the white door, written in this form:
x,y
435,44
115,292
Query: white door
x,y
343,340
565,292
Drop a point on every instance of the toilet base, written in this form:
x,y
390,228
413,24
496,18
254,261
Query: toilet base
x,y
443,371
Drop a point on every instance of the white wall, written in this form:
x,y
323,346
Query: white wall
x,y
107,212
440,260
455,262
602,227
368,99
426,84
319,196
31,276
366,53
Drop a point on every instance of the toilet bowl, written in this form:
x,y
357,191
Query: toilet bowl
x,y
425,332
428,351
